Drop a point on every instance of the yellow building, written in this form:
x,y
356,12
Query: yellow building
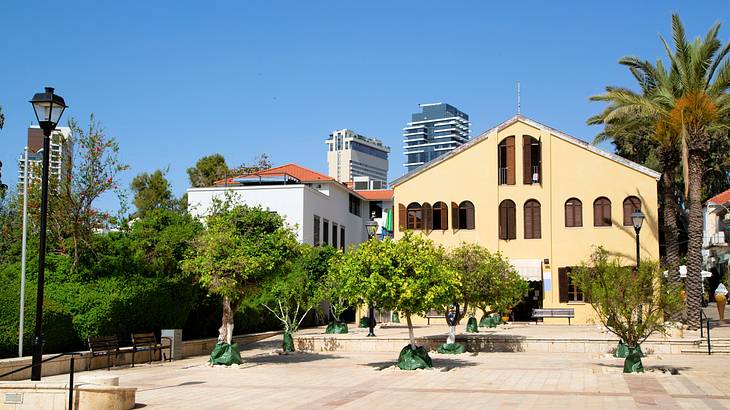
x,y
541,197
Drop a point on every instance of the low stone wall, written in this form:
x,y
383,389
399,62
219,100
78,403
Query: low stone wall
x,y
84,362
54,396
483,343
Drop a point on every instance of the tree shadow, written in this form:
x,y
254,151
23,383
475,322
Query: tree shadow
x,y
440,363
673,370
295,357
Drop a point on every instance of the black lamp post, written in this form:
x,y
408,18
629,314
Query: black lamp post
x,y
637,218
48,109
372,228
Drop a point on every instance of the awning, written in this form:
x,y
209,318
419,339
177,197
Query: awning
x,y
529,269
683,272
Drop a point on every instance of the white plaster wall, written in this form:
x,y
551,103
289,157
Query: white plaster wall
x,y
334,208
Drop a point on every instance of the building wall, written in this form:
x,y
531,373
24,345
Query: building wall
x,y
568,171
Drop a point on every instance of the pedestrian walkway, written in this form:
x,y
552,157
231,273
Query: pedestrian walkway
x,y
470,381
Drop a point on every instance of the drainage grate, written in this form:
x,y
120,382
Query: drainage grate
x,y
13,398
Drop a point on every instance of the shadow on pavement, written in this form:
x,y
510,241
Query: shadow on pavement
x,y
439,363
296,357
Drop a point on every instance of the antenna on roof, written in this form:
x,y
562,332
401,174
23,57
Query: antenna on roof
x,y
518,97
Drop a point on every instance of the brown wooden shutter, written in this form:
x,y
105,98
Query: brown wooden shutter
x,y
578,213
503,220
427,216
470,216
569,213
631,204
401,217
607,213
527,160
510,160
529,226
511,221
539,161
536,222
563,285
454,215
444,216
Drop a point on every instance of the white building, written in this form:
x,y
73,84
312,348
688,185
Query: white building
x,y
59,161
352,155
716,237
319,209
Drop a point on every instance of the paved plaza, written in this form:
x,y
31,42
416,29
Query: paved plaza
x,y
267,380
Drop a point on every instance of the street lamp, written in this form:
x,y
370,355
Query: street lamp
x,y
371,227
48,109
637,218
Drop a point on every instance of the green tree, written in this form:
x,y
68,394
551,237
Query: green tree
x,y
292,294
629,303
408,275
240,247
693,104
207,170
333,290
152,191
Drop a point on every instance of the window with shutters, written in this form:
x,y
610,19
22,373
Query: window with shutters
x,y
567,289
325,231
631,205
315,233
506,161
507,220
573,213
334,235
602,212
342,237
414,216
427,216
466,215
440,216
531,160
532,220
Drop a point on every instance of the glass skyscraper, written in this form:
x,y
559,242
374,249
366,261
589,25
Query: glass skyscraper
x,y
437,129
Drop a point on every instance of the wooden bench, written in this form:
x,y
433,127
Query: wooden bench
x,y
104,345
148,342
434,314
553,312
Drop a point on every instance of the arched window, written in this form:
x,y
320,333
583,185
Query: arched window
x,y
466,215
532,220
602,212
414,216
507,220
573,213
440,216
531,160
631,205
427,216
506,160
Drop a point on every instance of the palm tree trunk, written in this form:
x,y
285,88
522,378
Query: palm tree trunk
x,y
671,232
693,282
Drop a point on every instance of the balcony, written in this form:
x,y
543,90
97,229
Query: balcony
x,y
503,176
718,239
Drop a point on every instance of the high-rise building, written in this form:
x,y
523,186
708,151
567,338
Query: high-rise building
x,y
59,161
436,130
352,155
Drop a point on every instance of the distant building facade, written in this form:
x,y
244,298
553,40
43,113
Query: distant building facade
x,y
436,130
59,161
351,155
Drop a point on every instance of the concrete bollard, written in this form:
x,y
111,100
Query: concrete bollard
x,y
175,336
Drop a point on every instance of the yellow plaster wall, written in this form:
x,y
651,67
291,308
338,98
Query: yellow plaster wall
x,y
568,170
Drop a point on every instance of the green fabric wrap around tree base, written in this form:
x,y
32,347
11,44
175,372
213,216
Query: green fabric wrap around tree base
x,y
410,359
336,328
451,348
395,318
622,351
471,325
225,354
490,321
632,363
364,322
288,343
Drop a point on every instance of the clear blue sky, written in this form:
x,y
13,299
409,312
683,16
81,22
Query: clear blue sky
x,y
176,80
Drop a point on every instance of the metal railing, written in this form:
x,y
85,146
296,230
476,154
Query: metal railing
x,y
70,373
502,176
707,321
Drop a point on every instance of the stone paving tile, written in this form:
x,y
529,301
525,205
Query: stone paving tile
x,y
370,381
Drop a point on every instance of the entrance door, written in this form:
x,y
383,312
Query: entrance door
x,y
532,300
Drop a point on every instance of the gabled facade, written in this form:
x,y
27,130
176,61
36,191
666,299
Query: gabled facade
x,y
541,197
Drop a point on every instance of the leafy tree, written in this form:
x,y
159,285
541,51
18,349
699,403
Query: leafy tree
x,y
259,163
692,104
629,303
292,294
333,290
207,170
407,275
152,191
240,247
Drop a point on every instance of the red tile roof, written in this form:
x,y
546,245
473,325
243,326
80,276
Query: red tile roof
x,y
377,194
294,170
720,198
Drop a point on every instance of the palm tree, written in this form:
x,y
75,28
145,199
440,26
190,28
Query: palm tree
x,y
689,103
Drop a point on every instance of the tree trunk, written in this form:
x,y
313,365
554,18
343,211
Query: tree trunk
x,y
671,232
693,282
411,336
225,332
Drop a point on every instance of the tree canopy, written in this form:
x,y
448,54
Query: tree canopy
x,y
152,191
